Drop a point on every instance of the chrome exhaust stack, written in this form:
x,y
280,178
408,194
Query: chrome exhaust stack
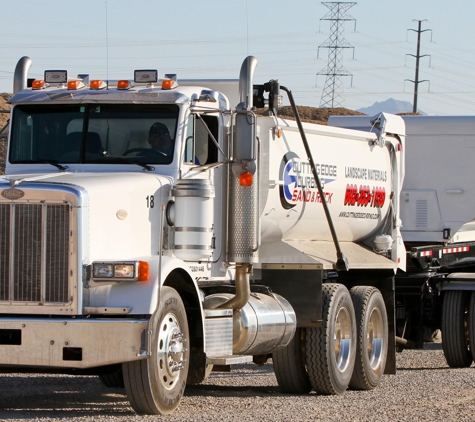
x,y
243,227
20,78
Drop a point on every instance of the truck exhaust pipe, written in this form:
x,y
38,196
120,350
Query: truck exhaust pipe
x,y
243,289
20,78
246,76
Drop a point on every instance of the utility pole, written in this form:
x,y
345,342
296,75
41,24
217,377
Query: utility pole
x,y
418,56
334,71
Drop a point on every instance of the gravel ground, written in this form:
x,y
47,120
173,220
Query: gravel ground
x,y
424,389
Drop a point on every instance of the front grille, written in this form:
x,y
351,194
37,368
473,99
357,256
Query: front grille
x,y
34,252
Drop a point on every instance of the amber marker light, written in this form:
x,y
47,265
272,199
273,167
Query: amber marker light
x,y
245,179
143,271
37,84
279,133
123,84
74,84
167,84
97,84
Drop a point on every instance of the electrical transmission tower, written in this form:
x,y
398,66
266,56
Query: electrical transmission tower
x,y
418,56
334,71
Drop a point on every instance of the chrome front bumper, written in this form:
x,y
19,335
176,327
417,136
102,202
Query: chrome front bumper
x,y
71,343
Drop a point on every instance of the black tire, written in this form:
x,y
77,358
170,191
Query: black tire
x,y
330,350
454,327
289,366
471,324
113,380
155,385
372,337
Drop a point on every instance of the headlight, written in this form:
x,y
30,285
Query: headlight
x,y
121,271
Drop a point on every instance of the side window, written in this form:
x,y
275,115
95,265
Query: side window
x,y
190,141
205,149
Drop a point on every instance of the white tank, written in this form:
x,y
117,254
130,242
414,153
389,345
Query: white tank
x,y
358,174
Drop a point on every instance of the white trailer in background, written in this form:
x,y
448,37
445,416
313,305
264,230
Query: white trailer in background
x,y
249,238
437,210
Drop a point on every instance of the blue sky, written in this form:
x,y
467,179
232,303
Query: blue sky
x,y
210,38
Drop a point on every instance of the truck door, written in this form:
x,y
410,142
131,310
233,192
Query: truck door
x,y
202,159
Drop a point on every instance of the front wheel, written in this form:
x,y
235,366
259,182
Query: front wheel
x,y
330,349
155,385
372,337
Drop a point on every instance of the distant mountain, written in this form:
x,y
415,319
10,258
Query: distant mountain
x,y
389,106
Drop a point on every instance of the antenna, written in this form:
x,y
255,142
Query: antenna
x,y
247,29
107,51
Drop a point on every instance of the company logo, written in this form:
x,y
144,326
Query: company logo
x,y
297,183
13,194
289,180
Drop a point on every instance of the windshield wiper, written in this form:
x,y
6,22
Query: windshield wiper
x,y
143,165
121,160
54,163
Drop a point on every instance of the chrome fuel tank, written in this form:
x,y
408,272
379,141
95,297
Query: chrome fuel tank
x,y
264,324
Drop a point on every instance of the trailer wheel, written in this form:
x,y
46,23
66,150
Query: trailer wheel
x,y
289,366
113,380
330,349
454,327
471,324
372,337
156,384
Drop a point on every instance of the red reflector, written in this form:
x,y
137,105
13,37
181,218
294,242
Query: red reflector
x,y
426,253
456,250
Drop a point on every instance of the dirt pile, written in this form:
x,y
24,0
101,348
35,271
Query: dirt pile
x,y
311,114
4,117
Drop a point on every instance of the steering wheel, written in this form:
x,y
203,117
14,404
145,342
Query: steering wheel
x,y
147,150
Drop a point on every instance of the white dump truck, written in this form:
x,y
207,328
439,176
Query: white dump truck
x,y
437,291
154,230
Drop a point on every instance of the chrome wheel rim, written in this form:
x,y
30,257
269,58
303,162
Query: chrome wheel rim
x,y
375,338
342,339
170,351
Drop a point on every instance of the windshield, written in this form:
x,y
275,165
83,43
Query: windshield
x,y
93,133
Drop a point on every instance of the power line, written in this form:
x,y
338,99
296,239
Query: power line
x,y
334,71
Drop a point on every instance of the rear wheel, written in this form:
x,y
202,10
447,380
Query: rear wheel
x,y
372,337
289,366
155,385
330,349
455,336
471,324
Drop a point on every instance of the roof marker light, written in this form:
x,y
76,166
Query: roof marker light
x,y
124,84
97,84
38,84
170,81
75,84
